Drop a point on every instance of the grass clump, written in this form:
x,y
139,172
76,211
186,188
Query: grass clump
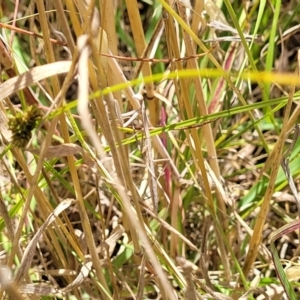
x,y
149,150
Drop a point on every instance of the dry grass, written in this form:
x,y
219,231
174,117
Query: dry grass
x,y
148,178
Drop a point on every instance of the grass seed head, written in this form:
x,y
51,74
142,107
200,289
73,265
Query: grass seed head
x,y
22,125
